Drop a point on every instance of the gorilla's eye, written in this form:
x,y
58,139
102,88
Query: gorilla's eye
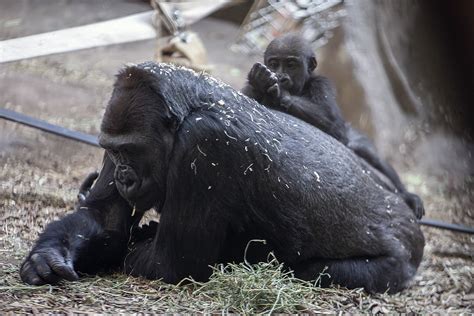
x,y
273,64
114,152
292,64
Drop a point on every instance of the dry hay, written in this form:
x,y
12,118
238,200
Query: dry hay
x,y
27,202
39,177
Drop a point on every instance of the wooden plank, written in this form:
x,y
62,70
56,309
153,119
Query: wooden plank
x,y
131,28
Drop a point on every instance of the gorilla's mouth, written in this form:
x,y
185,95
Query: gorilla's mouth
x,y
285,82
145,198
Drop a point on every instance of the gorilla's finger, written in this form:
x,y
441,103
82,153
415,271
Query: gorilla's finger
x,y
43,269
258,66
415,203
420,210
263,72
29,275
81,197
62,267
274,91
254,70
265,79
88,181
260,69
86,186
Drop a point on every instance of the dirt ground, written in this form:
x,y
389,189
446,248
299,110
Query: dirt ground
x,y
40,173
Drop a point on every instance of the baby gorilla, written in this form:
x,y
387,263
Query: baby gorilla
x,y
286,83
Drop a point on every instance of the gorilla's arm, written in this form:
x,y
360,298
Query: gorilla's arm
x,y
193,222
250,91
324,118
316,106
91,239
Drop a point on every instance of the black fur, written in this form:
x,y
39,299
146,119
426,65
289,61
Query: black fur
x,y
92,239
223,169
286,83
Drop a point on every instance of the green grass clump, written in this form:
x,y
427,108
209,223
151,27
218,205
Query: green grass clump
x,y
264,287
259,288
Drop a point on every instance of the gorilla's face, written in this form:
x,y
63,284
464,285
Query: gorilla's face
x,y
291,70
138,176
293,60
138,141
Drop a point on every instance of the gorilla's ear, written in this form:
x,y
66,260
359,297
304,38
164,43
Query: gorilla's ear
x,y
312,64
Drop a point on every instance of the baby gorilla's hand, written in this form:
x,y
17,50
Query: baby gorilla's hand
x,y
262,78
415,203
47,265
274,92
279,98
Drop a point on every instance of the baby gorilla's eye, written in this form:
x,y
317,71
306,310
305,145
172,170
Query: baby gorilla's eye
x,y
273,64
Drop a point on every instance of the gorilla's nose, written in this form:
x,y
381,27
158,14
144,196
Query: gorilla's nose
x,y
127,181
285,80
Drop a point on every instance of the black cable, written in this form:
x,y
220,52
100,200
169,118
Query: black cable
x,y
92,140
443,225
47,127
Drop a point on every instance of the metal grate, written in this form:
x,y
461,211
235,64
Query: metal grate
x,y
266,20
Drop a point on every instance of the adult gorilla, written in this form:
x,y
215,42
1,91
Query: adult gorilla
x,y
222,170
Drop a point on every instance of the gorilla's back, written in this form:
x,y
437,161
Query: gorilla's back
x,y
329,185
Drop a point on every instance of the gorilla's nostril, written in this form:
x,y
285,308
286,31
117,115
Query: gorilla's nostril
x,y
121,177
123,168
128,182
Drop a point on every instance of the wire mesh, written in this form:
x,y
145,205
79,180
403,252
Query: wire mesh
x,y
314,20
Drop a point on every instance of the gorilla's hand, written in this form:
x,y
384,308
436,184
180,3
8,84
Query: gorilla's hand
x,y
279,97
415,203
48,265
86,186
262,78
274,92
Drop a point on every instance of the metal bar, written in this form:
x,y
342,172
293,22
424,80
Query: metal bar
x,y
47,127
92,140
443,225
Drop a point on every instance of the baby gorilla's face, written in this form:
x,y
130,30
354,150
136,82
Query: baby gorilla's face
x,y
291,71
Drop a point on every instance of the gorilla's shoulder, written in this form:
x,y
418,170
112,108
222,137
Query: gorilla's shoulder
x,y
321,84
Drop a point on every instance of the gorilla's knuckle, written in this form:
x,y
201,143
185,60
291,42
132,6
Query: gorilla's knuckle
x,y
25,268
35,257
